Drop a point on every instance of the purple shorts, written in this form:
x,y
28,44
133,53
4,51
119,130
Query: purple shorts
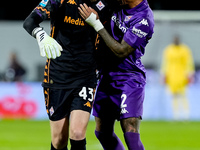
x,y
119,99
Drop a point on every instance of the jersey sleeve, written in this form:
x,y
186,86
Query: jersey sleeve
x,y
138,33
46,7
41,12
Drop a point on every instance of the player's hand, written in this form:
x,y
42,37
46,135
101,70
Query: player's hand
x,y
85,11
49,47
90,16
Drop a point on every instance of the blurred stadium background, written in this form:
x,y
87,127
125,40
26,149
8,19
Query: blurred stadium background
x,y
23,119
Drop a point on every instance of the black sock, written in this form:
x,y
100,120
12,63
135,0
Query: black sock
x,y
78,145
64,148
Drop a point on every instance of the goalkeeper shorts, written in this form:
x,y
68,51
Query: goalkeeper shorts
x,y
60,102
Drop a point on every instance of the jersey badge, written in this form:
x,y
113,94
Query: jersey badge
x,y
127,18
51,111
72,2
100,5
43,3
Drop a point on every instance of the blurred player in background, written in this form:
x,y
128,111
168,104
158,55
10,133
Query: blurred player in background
x,y
120,91
177,72
70,71
15,71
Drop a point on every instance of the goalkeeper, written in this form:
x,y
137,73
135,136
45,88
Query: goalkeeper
x,y
70,71
177,70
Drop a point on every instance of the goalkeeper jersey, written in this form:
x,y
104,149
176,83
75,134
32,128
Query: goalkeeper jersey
x,y
77,64
177,65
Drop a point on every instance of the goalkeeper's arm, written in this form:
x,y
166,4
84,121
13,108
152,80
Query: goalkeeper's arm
x,y
48,46
32,22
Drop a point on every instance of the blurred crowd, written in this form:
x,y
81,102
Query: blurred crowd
x,y
15,72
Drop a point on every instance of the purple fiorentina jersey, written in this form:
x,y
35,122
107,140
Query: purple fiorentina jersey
x,y
135,26
121,88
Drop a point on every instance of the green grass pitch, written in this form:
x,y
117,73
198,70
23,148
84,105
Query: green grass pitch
x,y
155,135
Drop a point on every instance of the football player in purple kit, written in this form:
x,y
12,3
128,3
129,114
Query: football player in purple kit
x,y
121,88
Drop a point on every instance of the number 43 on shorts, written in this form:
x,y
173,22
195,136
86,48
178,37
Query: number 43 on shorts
x,y
87,93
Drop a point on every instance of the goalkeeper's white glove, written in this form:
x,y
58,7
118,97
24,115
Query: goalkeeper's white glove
x,y
95,23
49,47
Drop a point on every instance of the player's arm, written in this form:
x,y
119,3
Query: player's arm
x,y
190,69
48,46
39,14
32,22
122,49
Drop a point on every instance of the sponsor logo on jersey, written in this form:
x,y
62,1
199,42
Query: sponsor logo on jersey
x,y
100,5
139,32
43,3
119,24
78,22
144,22
72,2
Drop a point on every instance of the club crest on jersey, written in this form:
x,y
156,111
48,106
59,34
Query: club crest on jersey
x,y
127,18
43,3
100,5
